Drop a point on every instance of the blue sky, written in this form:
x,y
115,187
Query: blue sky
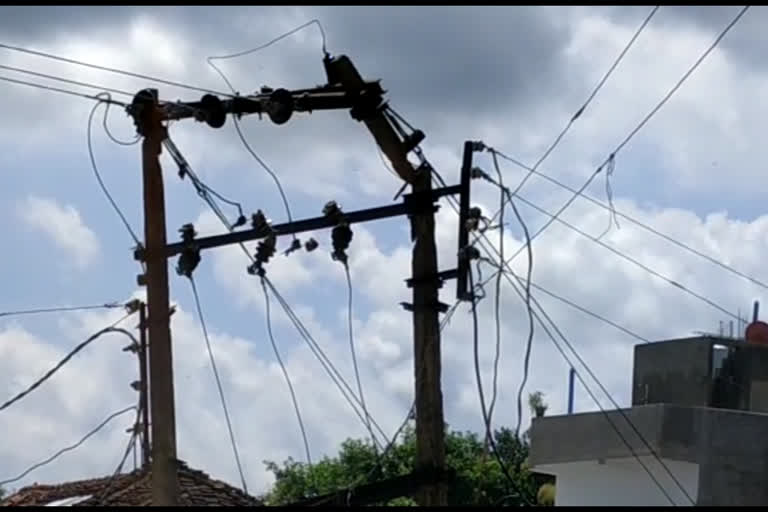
x,y
513,80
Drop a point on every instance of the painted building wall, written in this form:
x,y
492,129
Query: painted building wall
x,y
623,482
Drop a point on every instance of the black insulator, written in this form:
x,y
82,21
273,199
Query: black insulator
x,y
213,108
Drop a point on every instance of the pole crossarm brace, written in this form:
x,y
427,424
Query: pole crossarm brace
x,y
377,492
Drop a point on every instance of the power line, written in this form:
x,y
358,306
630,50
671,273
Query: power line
x,y
285,372
486,419
632,260
98,174
642,123
263,46
354,355
325,362
508,270
109,69
63,309
218,383
61,363
636,222
66,80
581,110
599,405
128,449
69,448
62,91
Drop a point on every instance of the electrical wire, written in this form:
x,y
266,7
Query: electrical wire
x,y
325,362
59,90
285,372
497,305
637,222
481,394
591,97
354,355
265,45
108,69
508,270
203,190
69,448
266,168
98,174
307,337
114,139
218,383
61,363
642,123
131,445
597,402
632,260
64,309
236,121
65,80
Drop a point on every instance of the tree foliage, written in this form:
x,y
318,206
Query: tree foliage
x,y
480,480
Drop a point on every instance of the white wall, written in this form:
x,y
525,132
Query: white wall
x,y
623,482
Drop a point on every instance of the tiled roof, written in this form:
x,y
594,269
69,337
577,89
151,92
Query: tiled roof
x,y
134,489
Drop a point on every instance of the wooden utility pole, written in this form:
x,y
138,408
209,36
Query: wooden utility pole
x,y
430,423
164,463
144,389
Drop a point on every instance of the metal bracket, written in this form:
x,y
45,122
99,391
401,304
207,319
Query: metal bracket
x,y
440,277
439,306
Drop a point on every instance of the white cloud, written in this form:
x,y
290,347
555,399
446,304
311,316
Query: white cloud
x,y
63,225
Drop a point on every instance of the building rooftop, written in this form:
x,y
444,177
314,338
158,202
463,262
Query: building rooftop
x,y
132,489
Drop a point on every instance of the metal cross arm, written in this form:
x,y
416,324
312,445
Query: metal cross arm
x,y
278,104
412,203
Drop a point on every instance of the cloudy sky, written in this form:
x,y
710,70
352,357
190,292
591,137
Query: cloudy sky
x,y
510,76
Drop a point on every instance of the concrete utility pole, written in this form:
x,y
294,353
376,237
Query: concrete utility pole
x,y
164,463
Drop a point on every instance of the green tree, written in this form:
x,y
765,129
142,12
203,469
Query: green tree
x,y
480,480
2,493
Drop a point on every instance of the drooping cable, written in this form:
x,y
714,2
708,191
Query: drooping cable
x,y
507,269
640,125
69,448
96,173
605,413
486,420
219,386
353,352
630,259
263,46
128,449
236,121
636,222
65,360
325,362
591,97
285,372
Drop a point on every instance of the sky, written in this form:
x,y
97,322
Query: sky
x,y
510,76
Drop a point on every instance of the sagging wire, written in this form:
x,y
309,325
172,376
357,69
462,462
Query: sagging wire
x,y
106,98
508,271
612,217
646,119
70,448
65,360
341,236
204,191
265,250
285,372
486,420
219,386
128,449
236,122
